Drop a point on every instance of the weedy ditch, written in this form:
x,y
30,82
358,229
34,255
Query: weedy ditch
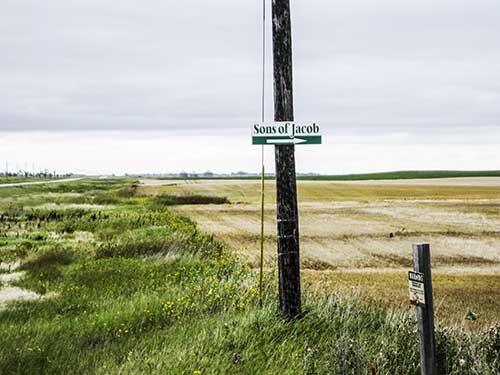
x,y
150,293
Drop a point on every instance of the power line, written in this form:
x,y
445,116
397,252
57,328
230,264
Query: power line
x,y
263,104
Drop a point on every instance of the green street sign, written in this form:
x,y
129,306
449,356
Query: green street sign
x,y
286,133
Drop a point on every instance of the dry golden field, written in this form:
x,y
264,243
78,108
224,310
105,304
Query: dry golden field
x,y
356,237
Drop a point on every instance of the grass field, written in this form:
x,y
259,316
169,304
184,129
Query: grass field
x,y
403,175
115,282
395,175
356,239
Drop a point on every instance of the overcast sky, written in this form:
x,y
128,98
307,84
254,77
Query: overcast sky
x,y
102,86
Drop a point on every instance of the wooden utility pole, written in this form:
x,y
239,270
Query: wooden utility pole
x,y
288,220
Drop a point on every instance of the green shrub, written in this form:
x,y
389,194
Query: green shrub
x,y
105,198
170,200
55,256
38,236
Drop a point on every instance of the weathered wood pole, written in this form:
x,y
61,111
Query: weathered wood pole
x,y
425,313
286,187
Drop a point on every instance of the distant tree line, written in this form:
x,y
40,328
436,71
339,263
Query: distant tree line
x,y
41,174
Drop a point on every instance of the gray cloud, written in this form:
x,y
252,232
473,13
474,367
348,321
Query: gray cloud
x,y
359,64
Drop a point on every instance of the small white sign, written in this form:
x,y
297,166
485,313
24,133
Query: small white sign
x,y
416,285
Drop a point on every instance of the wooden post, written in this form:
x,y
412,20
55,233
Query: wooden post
x,y
425,313
286,198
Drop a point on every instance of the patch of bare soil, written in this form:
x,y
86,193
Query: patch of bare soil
x,y
10,293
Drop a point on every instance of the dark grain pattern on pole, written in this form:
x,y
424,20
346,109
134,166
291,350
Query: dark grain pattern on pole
x,y
287,210
282,61
425,313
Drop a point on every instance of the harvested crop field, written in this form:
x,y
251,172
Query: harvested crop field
x,y
356,237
